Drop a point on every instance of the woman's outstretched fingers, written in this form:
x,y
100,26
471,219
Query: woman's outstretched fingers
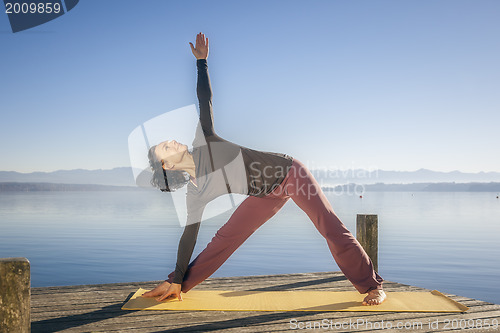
x,y
200,48
159,290
173,291
169,295
164,296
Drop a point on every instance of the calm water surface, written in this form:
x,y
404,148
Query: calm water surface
x,y
444,241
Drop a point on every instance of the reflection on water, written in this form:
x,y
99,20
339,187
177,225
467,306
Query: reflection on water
x,y
444,241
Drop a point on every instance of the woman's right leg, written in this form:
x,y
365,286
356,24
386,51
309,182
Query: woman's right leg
x,y
346,250
246,219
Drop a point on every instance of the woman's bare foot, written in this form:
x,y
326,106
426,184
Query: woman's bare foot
x,y
158,291
375,297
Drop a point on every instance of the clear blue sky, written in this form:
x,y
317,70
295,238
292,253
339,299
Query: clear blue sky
x,y
397,85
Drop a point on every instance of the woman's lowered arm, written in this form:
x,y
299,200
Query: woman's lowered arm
x,y
185,250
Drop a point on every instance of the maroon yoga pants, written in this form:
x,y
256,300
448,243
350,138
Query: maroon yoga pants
x,y
300,185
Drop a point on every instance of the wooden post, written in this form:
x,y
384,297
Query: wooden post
x,y
15,305
367,235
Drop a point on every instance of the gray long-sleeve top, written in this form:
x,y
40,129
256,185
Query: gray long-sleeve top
x,y
222,167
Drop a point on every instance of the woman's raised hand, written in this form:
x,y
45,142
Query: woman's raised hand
x,y
200,51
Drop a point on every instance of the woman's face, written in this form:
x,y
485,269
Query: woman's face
x,y
170,153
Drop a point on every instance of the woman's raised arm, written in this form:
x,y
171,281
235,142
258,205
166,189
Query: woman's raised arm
x,y
203,86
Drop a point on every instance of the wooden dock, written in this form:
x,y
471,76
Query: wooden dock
x,y
97,308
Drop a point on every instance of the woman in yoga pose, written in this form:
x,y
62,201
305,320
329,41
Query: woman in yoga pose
x,y
216,167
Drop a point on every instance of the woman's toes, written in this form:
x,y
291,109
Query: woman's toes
x,y
374,298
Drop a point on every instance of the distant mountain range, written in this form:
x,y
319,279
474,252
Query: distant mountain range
x,y
118,177
360,176
123,176
36,186
415,187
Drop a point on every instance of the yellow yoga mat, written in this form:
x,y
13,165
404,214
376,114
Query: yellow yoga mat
x,y
299,300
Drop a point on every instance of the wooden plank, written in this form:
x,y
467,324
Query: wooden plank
x,y
367,235
97,308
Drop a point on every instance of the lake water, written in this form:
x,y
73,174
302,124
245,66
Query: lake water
x,y
444,241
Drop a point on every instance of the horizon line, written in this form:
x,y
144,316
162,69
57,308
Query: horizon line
x,y
315,169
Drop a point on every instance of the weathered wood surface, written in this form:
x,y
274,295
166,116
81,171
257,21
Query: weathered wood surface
x,y
14,295
367,235
97,308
